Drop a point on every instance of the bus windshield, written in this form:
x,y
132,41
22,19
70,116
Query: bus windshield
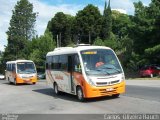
x,y
25,67
100,62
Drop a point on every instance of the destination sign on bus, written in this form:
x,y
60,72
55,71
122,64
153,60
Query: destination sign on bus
x,y
90,52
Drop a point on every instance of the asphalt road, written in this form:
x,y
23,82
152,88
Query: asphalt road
x,y
144,93
40,99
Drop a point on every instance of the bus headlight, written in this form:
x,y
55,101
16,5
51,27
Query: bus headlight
x,y
18,76
91,82
123,77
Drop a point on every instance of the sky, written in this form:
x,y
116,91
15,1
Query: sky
x,y
48,8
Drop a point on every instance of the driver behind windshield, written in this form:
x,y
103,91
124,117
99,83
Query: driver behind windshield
x,y
100,62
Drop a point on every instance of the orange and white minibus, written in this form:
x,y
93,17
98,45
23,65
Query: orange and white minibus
x,y
86,71
21,71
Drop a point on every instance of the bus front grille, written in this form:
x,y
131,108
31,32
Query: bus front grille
x,y
25,77
107,83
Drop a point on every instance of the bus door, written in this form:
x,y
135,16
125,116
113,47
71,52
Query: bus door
x,y
70,70
74,69
8,72
11,72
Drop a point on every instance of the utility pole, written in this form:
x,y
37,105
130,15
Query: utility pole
x,y
78,39
89,37
16,52
60,40
57,41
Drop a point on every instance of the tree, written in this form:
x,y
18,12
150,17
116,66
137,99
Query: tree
x,y
20,30
146,29
153,54
40,47
154,15
121,27
69,30
146,26
87,24
61,25
107,22
1,64
121,24
141,28
98,42
144,34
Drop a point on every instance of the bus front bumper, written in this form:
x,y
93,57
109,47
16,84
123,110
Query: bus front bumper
x,y
104,91
26,80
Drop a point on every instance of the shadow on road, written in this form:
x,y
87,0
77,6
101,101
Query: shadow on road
x,y
50,92
19,84
105,98
69,97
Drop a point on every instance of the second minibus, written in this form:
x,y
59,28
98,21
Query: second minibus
x,y
21,71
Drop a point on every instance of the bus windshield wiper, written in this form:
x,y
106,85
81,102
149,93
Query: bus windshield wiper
x,y
108,67
114,69
102,70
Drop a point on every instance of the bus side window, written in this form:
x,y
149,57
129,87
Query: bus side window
x,y
77,65
63,61
46,65
55,63
48,62
7,68
10,67
70,63
13,68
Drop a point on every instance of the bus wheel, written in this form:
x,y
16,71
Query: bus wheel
x,y
80,95
15,82
34,83
56,91
9,81
115,95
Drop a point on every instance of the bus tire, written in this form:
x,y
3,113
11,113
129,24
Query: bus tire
x,y
15,82
80,95
9,81
34,83
115,95
56,91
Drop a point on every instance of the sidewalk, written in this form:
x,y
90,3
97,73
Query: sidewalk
x,y
148,83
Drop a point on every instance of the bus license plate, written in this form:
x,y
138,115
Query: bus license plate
x,y
27,80
109,89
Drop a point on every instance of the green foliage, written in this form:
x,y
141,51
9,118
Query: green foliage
x,y
132,37
61,25
107,22
88,23
146,32
133,62
121,24
1,64
40,47
98,42
112,42
135,39
21,30
37,58
154,50
153,54
142,35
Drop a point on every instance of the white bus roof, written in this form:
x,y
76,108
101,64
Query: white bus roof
x,y
16,61
72,50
